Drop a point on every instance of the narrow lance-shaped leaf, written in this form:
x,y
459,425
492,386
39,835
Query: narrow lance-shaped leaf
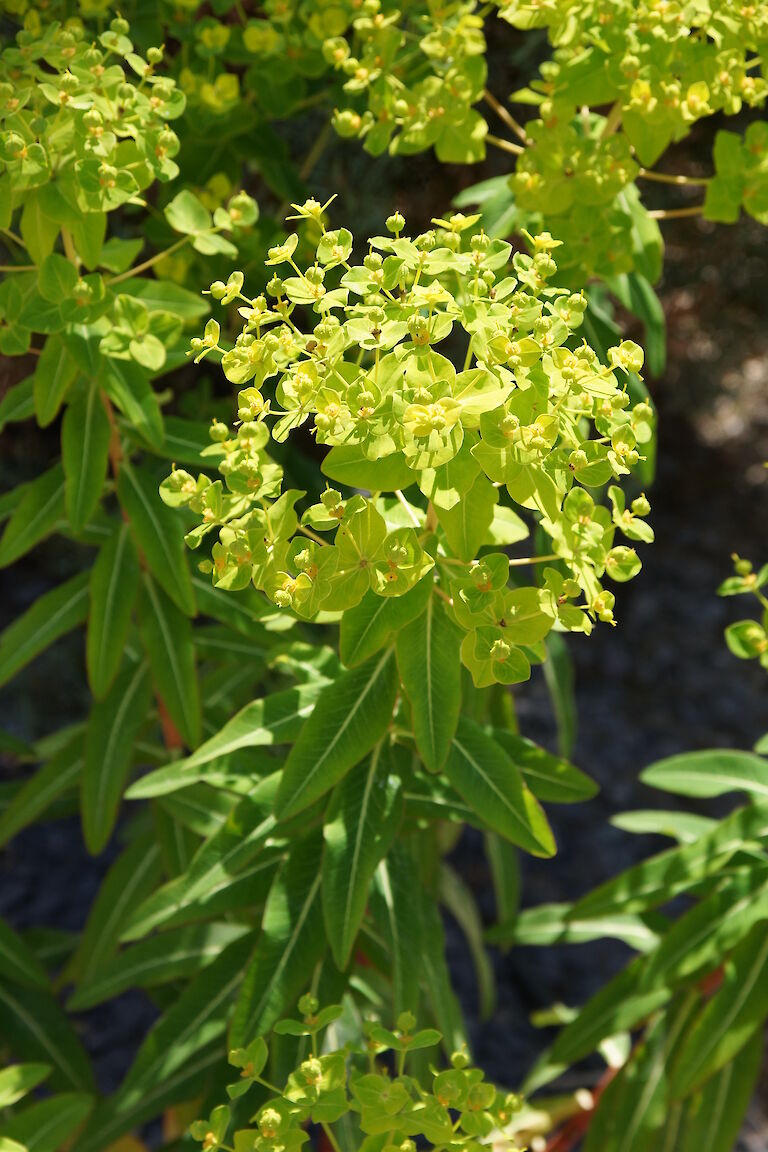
x,y
17,962
85,436
460,902
50,617
38,512
350,717
61,775
552,779
361,820
113,726
710,773
428,658
167,636
291,943
714,1116
728,1020
18,1079
367,627
158,534
35,1028
396,908
47,1125
483,774
114,584
276,719
55,373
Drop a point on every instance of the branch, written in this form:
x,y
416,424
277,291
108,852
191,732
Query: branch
x,y
505,145
675,213
667,178
506,116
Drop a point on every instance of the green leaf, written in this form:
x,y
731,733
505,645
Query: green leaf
x,y
437,979
113,726
35,516
17,403
167,636
685,827
699,939
429,662
41,220
175,955
549,924
361,821
17,962
276,719
504,862
130,1107
551,779
47,1125
482,773
165,296
292,941
132,876
85,438
34,1027
460,902
347,464
19,1079
466,524
367,627
558,673
158,534
114,584
715,1115
619,1006
128,386
396,909
662,877
729,1018
50,617
185,213
710,773
633,1110
350,717
55,373
61,775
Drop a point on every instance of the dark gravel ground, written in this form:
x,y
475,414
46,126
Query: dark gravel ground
x,y
661,682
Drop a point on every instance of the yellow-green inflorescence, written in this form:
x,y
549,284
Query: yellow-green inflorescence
x,y
443,468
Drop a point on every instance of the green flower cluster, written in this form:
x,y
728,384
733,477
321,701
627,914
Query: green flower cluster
x,y
351,352
748,639
394,1113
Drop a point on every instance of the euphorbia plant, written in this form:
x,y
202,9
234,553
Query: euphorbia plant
x,y
443,468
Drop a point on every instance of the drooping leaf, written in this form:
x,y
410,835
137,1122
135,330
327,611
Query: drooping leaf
x,y
482,773
114,584
113,726
35,1028
61,775
349,718
18,1079
158,535
396,909
55,373
167,637
48,1125
460,902
85,438
715,1115
710,773
292,941
36,515
549,924
428,659
550,778
276,719
729,1018
361,820
367,627
50,617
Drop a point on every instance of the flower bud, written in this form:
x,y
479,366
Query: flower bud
x,y
396,223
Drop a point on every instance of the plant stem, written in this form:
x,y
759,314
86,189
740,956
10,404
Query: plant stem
x,y
331,1137
518,561
412,515
315,152
12,236
674,213
667,178
506,116
148,263
312,535
612,120
17,267
505,145
439,592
